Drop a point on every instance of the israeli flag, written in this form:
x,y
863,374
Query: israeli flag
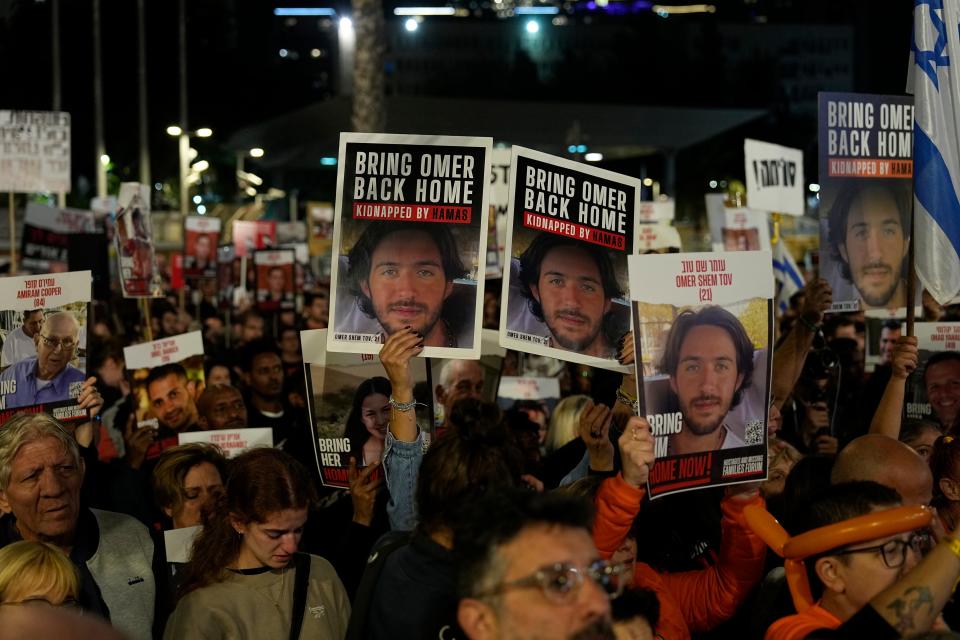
x,y
936,150
786,274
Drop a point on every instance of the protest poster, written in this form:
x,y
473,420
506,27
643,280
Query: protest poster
x,y
139,275
46,235
745,230
249,235
166,379
703,332
275,279
34,151
658,237
409,242
348,396
201,236
454,378
866,172
232,442
320,228
933,389
774,177
44,329
499,202
565,289
657,210
178,543
228,275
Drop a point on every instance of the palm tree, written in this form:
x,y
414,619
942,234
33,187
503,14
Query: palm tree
x,y
369,109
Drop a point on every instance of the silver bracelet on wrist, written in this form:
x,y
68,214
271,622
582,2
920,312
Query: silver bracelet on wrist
x,y
404,406
623,398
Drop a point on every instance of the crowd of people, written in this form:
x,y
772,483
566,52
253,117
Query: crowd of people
x,y
528,522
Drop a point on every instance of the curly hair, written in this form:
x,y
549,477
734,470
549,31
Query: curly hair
x,y
851,195
713,316
260,482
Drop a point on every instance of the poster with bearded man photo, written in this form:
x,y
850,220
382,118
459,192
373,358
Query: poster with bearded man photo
x,y
572,227
703,334
866,180
410,240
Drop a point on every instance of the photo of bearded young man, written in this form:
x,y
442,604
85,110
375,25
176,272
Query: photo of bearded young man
x,y
869,238
400,275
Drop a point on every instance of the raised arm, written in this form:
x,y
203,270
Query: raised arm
x,y
886,420
789,357
395,358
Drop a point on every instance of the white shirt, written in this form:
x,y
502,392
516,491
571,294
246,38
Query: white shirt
x,y
17,347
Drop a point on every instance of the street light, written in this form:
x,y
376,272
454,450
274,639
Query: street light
x,y
184,154
256,152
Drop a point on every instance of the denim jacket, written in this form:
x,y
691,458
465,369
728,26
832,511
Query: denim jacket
x,y
401,467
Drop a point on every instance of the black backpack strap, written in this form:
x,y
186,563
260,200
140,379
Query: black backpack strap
x,y
363,599
300,581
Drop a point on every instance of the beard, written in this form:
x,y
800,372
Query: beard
x,y
430,315
697,427
569,342
883,297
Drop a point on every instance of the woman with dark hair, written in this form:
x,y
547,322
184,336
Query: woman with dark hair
x,y
368,420
245,578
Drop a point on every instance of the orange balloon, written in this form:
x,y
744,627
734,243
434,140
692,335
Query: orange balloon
x,y
860,529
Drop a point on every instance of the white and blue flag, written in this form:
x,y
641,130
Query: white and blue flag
x,y
787,274
936,154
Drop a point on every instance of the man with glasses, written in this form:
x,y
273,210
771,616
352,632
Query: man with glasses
x,y
847,579
529,568
48,377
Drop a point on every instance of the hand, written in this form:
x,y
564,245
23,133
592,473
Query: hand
x,y
906,357
637,452
89,398
625,352
825,444
818,415
138,441
363,491
395,357
818,296
533,482
595,420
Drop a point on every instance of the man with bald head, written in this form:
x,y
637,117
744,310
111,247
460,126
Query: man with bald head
x,y
221,407
49,376
888,462
459,379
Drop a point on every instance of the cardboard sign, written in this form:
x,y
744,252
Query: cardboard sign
x,y
774,177
410,242
46,237
34,151
657,210
866,171
137,261
482,376
201,236
44,327
932,392
499,204
745,230
249,235
168,403
276,280
348,396
232,442
178,543
320,228
565,289
658,237
703,336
